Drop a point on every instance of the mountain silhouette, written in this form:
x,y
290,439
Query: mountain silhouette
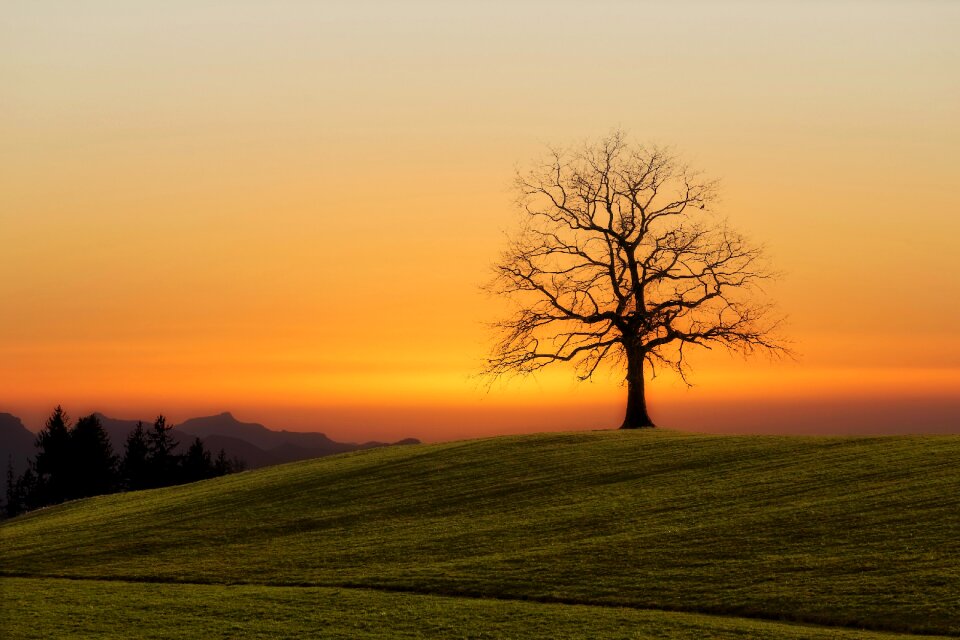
x,y
16,447
284,446
225,424
251,455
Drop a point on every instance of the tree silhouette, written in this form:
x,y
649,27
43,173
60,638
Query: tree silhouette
x,y
29,491
197,464
52,465
79,462
93,467
135,467
162,463
619,261
222,465
13,504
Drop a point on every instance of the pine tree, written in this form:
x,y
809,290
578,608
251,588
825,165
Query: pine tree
x,y
12,505
92,463
30,492
222,466
162,462
135,467
197,464
52,465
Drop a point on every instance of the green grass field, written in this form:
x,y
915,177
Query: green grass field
x,y
607,534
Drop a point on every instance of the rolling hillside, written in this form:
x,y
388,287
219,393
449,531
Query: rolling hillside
x,y
844,533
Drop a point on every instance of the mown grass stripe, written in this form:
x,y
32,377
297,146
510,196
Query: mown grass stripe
x,y
801,624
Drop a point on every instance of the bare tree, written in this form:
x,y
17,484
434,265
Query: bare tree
x,y
620,261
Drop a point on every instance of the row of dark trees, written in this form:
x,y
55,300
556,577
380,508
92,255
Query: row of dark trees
x,y
78,461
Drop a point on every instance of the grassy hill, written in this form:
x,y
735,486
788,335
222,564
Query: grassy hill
x,y
605,533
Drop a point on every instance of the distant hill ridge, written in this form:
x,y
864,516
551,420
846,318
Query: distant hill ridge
x,y
253,443
16,446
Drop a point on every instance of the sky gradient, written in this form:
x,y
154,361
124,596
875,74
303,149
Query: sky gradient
x,y
286,209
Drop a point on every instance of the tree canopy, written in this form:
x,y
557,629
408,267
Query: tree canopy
x,y
621,260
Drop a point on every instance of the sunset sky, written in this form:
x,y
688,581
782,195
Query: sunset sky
x,y
286,209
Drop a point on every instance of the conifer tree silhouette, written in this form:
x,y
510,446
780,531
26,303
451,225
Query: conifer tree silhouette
x,y
135,467
52,464
162,462
197,464
11,505
92,465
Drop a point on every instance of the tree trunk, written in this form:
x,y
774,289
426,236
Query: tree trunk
x,y
636,417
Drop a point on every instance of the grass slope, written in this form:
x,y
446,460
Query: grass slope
x,y
845,532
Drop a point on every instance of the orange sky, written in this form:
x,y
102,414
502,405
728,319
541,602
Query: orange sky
x,y
285,209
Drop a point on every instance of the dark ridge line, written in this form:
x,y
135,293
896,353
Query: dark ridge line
x,y
476,595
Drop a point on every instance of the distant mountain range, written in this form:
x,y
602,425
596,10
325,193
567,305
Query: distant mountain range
x,y
16,447
253,443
